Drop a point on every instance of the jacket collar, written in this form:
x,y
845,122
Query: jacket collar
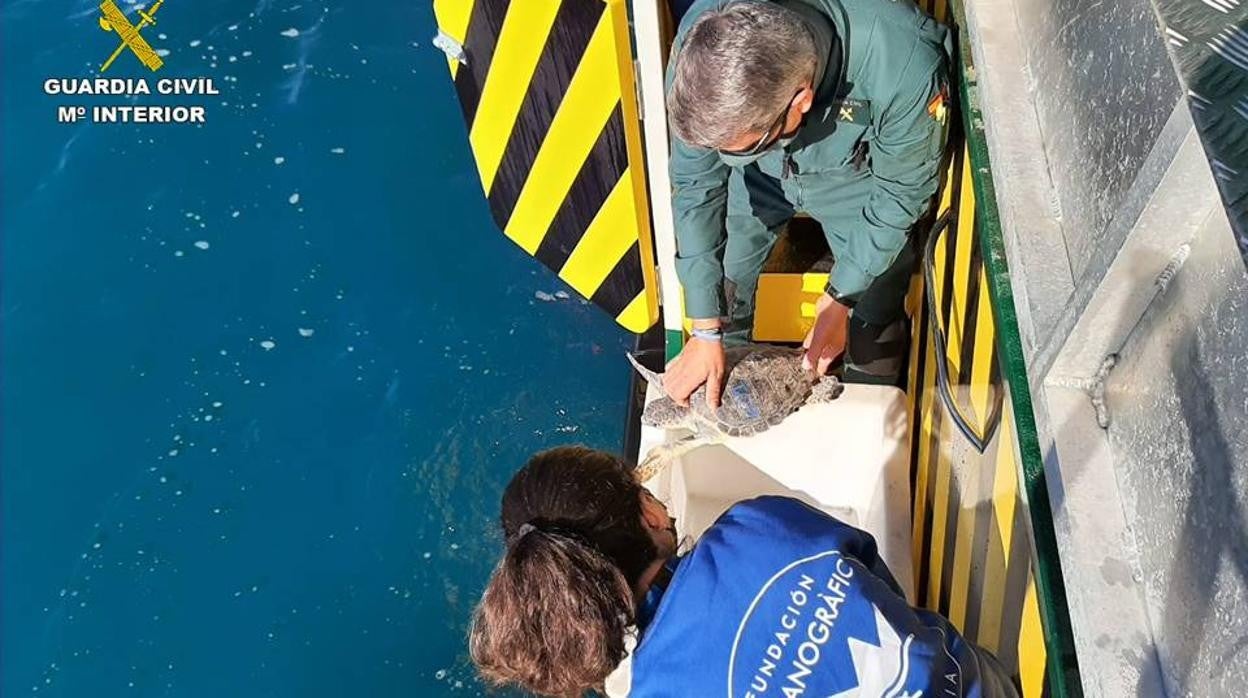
x,y
828,49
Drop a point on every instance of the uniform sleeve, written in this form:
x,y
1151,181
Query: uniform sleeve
x,y
905,168
699,204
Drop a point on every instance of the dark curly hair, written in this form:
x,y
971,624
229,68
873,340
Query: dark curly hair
x,y
554,615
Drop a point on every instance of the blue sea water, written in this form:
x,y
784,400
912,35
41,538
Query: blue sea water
x,y
264,380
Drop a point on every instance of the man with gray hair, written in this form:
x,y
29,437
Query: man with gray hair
x,y
835,108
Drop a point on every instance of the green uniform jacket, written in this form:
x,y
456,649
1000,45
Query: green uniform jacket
x,y
888,61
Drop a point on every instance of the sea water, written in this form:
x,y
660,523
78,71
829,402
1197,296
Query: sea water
x,y
265,378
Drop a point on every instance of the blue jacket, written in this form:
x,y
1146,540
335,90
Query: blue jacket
x,y
779,599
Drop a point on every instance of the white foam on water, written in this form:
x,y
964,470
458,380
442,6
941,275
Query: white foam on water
x,y
338,151
294,198
543,296
173,452
195,43
177,253
278,160
207,418
216,404
306,332
202,244
291,33
235,214
246,54
563,295
162,37
162,52
268,345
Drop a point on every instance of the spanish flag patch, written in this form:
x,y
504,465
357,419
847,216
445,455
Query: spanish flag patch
x,y
938,106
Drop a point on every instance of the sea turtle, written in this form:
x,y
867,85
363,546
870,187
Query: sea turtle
x,y
764,385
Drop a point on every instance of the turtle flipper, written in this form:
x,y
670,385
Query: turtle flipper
x,y
662,455
664,413
827,389
655,379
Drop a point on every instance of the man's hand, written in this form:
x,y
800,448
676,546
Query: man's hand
x,y
826,339
701,361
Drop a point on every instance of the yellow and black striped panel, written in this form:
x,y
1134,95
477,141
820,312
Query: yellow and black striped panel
x,y
972,550
547,94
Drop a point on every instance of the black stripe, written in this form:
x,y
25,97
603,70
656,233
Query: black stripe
x,y
1017,574
565,45
599,173
946,292
953,508
623,283
933,462
970,323
484,25
920,366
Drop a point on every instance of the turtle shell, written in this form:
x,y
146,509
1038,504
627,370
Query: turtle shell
x,y
765,384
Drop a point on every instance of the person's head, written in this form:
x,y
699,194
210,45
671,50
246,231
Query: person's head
x,y
743,78
583,541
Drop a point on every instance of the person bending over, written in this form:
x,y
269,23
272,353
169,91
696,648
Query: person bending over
x,y
831,108
776,599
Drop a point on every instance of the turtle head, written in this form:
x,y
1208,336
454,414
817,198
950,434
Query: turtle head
x,y
664,414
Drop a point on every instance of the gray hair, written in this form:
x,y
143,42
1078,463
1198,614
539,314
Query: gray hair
x,y
737,68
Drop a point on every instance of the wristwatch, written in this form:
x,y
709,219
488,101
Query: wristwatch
x,y
845,300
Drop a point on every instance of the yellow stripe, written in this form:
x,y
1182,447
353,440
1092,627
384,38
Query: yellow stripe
x,y
452,17
1004,496
961,271
985,335
927,401
963,547
1031,652
636,315
605,240
939,271
520,43
940,514
582,114
935,461
1005,484
617,11
946,194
